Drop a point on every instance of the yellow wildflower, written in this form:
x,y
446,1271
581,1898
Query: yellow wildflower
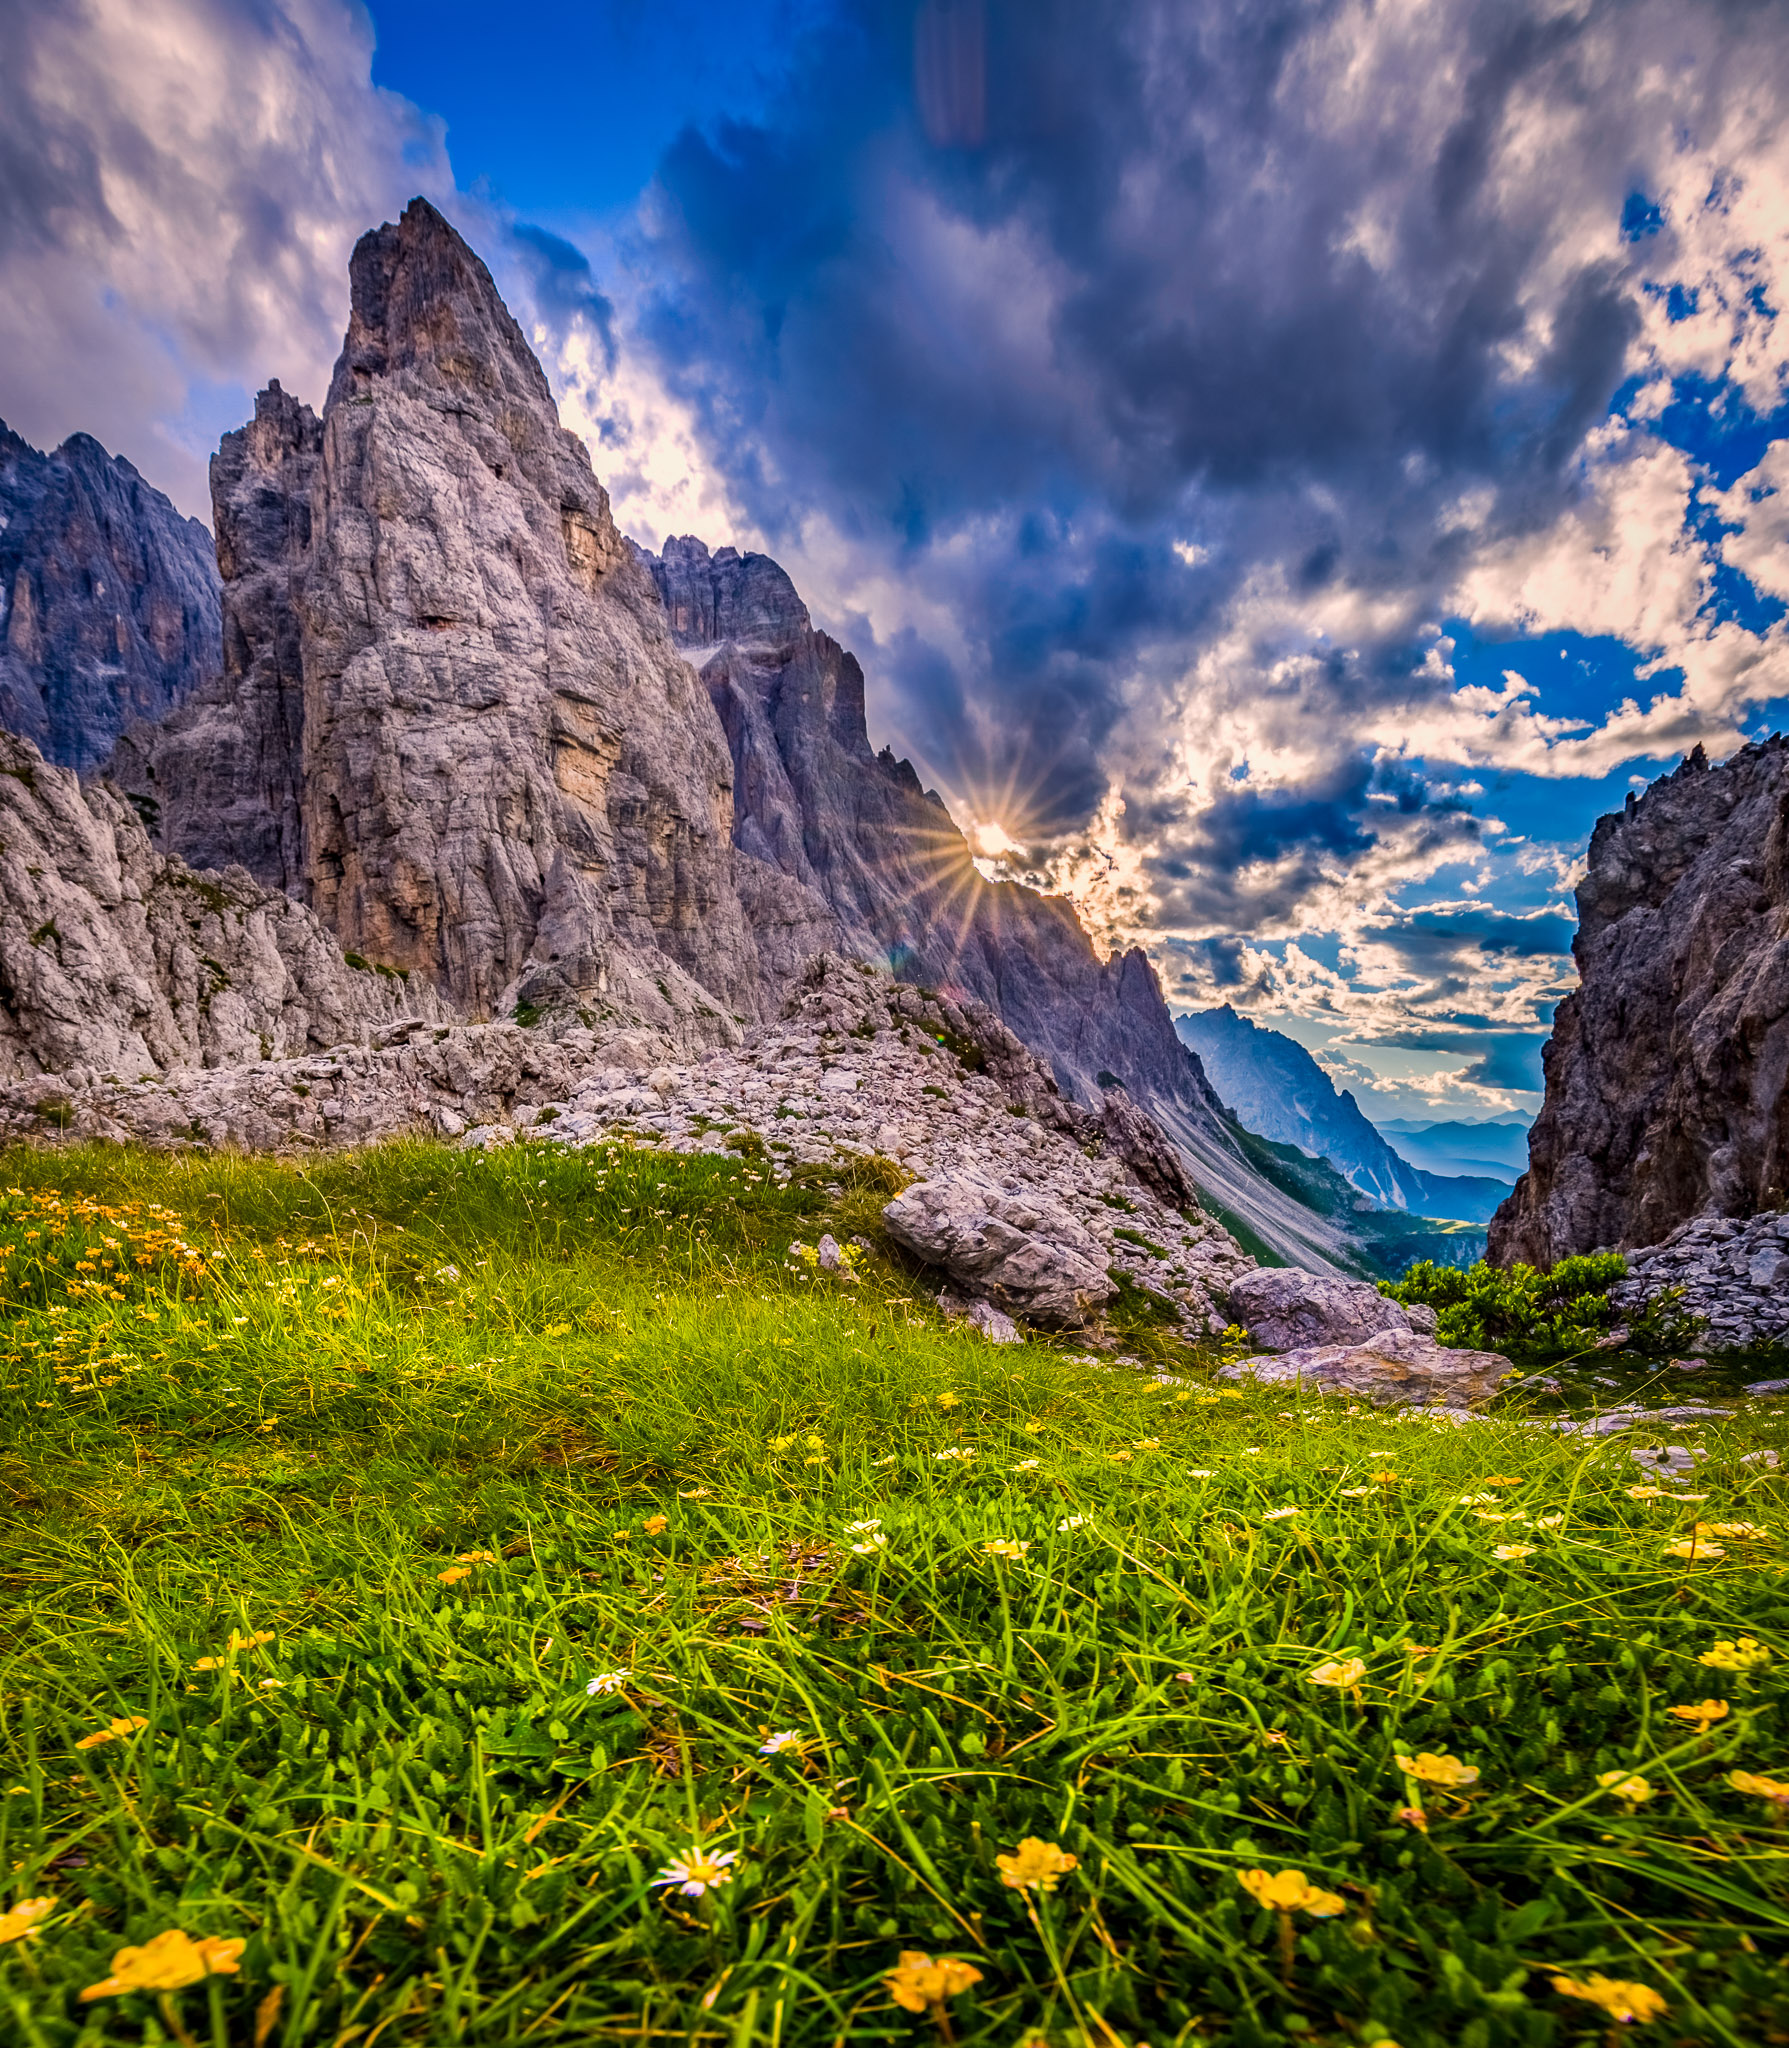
x,y
656,1525
1121,1457
1413,1817
815,1443
1034,1428
1627,2004
23,1918
1509,1552
1385,1479
1701,1714
781,1443
919,1984
1005,1546
1746,1654
1146,1443
1342,1671
1548,1521
1741,1531
251,1642
1694,1547
949,1401
209,1664
170,1962
454,1574
477,1557
114,1731
1035,1865
1286,1891
1445,1771
1627,1786
1648,1493
1772,1789
1355,1492
1500,1479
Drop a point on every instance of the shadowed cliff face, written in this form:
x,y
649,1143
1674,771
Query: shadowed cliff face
x,y
108,599
1668,1070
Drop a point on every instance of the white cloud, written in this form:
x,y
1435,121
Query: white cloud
x,y
185,180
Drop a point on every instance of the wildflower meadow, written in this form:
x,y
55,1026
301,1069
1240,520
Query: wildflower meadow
x,y
502,1599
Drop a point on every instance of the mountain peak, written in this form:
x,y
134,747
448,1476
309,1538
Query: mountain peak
x,y
421,299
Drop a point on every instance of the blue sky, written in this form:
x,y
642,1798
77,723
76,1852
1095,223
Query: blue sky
x,y
1286,467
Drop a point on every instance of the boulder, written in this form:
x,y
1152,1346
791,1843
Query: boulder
x,y
1286,1309
1019,1246
1389,1367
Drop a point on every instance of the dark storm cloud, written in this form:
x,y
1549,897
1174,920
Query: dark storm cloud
x,y
562,284
1432,936
1508,1063
1017,296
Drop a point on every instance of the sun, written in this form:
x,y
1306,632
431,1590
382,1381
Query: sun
x,y
991,840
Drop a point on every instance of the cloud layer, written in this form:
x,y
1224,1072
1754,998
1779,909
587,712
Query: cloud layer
x,y
180,185
1156,399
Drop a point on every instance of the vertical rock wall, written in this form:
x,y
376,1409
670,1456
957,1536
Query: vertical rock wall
x,y
1668,1069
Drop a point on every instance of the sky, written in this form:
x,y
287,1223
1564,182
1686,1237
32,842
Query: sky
x,y
1286,466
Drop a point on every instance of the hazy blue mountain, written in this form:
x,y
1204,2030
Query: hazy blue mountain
x,y
1499,1148
1273,1087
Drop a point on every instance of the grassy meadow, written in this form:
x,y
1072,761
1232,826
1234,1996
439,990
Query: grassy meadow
x,y
410,1557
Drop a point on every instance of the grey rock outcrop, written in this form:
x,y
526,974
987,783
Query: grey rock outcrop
x,y
1391,1368
108,599
223,777
850,1080
1017,1246
1284,1309
1668,1069
115,959
1733,1276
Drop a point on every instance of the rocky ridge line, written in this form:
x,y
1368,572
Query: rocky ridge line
x,y
854,1070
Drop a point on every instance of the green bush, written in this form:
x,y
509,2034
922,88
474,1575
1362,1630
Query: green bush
x,y
1540,1316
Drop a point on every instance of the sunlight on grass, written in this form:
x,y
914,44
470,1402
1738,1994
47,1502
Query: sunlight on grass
x,y
511,1601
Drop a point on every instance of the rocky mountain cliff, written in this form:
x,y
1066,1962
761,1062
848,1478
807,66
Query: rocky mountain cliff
x,y
451,718
108,599
1667,1073
454,721
1274,1087
119,961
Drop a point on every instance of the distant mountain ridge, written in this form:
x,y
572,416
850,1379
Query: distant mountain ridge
x,y
1498,1148
1274,1088
108,599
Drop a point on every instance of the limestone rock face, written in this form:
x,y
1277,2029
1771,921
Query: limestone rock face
x,y
453,720
1668,1070
1018,1246
1733,1276
108,599
115,959
1284,1310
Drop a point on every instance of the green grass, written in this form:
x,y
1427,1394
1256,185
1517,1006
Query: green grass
x,y
290,1405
